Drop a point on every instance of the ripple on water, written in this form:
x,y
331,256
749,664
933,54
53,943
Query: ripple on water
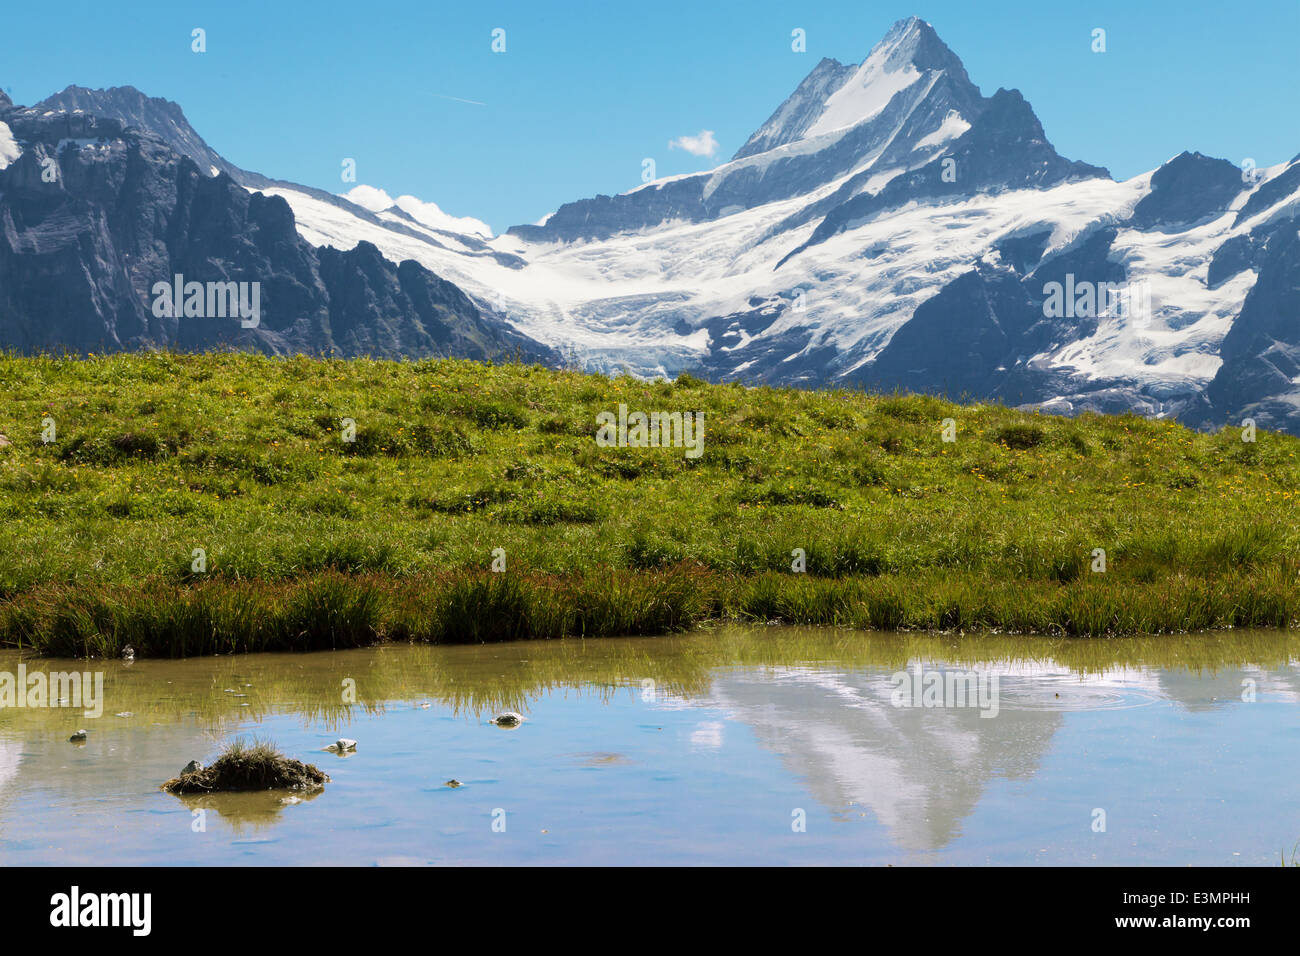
x,y
1069,693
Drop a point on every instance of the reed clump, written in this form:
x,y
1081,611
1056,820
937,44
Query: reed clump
x,y
248,765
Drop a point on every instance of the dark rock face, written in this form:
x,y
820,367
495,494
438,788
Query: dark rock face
x,y
1087,258
1187,190
793,117
1230,259
1023,252
1272,192
811,367
1261,352
94,214
134,109
1005,148
166,120
603,216
958,342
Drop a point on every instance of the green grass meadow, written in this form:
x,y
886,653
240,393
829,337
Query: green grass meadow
x,y
311,541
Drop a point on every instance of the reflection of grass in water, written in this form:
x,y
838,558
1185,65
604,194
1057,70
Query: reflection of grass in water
x,y
1206,653
471,681
249,810
476,680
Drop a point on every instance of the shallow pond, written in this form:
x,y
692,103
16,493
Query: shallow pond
x,y
762,746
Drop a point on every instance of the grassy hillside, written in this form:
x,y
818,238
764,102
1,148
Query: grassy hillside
x,y
313,541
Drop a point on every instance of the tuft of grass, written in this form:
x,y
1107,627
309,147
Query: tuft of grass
x,y
249,765
1021,435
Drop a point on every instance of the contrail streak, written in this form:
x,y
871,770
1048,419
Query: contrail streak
x,y
458,99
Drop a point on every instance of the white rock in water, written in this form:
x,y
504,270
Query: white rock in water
x,y
344,744
78,736
508,719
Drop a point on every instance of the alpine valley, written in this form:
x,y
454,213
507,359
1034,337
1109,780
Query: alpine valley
x,y
888,227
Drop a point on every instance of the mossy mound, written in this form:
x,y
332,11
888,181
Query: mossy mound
x,y
243,766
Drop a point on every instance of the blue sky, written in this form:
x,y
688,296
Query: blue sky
x,y
585,91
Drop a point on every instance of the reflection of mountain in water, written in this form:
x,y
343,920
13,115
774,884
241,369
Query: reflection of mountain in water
x,y
920,771
11,755
1210,689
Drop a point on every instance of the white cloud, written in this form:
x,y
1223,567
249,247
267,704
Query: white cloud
x,y
9,149
702,144
368,197
425,213
707,736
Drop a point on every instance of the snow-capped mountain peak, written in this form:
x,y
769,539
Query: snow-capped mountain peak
x,y
835,97
844,129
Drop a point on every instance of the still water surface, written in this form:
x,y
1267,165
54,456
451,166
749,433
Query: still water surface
x,y
709,748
